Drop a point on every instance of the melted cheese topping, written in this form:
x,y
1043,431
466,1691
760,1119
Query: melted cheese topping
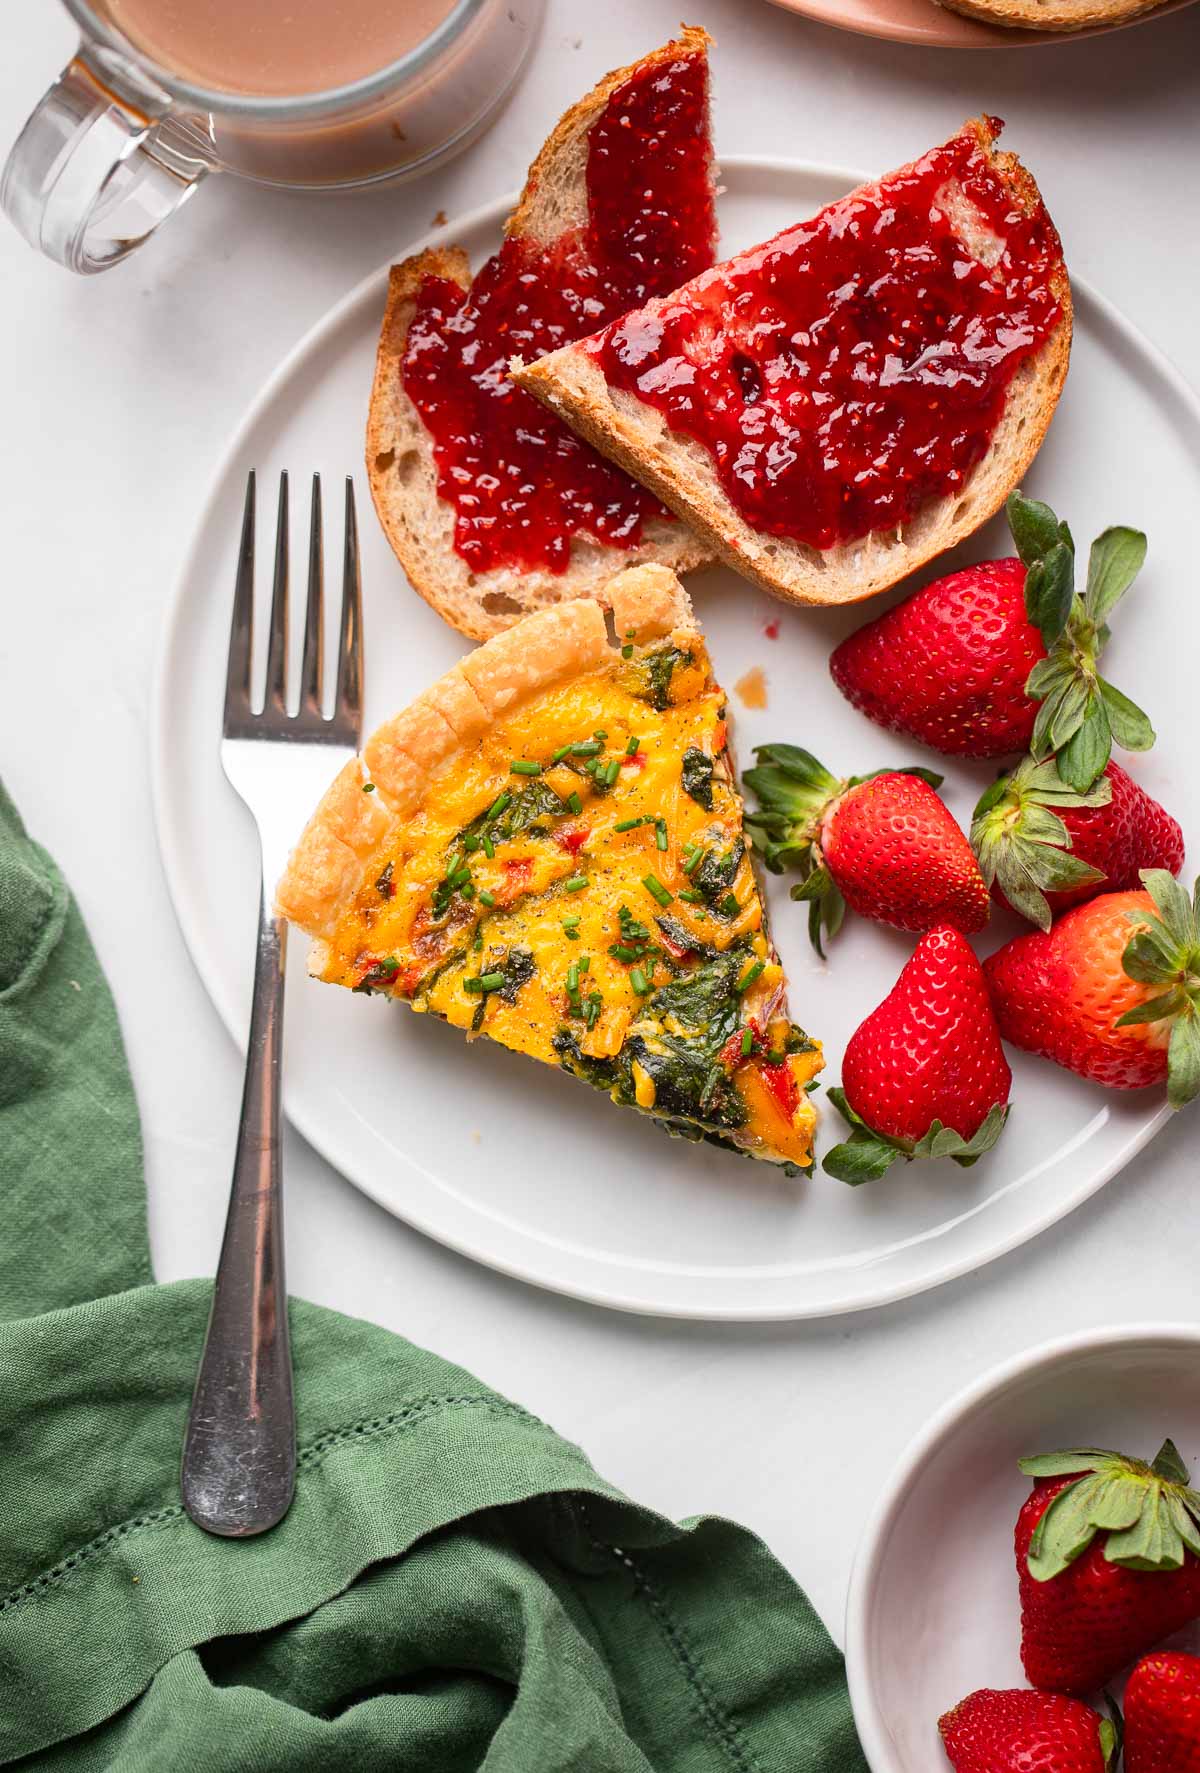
x,y
518,944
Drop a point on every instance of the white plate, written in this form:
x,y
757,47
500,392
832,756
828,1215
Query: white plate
x,y
933,1612
528,1170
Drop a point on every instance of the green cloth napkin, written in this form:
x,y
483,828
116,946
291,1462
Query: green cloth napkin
x,y
454,1587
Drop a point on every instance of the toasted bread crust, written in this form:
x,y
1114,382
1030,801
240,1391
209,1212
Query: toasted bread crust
x,y
401,470
681,473
403,758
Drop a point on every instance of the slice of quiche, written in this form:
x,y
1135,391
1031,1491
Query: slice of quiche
x,y
546,848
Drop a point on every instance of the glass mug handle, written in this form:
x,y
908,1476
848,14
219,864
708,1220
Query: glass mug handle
x,y
92,175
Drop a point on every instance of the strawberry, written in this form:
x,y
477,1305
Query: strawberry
x,y
963,664
949,665
883,844
1106,1561
1042,846
1162,1715
1112,991
925,1074
1021,1732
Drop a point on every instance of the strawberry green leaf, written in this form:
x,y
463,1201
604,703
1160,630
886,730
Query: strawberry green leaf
x,y
1068,1462
1184,1522
1112,1733
1131,728
942,1141
1168,1463
1152,1542
1116,559
1183,1059
1150,956
1173,905
1089,748
903,769
1035,528
1050,591
1064,1532
860,1158
1049,673
1155,1009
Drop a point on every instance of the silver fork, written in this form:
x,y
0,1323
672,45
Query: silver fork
x,y
239,1454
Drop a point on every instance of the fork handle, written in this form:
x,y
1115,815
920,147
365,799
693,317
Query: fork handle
x,y
239,1454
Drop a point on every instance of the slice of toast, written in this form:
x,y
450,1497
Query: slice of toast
x,y
414,500
684,474
1052,15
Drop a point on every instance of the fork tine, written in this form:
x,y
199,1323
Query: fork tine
x,y
277,646
348,706
314,619
241,627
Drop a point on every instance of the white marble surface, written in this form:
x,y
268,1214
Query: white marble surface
x,y
116,396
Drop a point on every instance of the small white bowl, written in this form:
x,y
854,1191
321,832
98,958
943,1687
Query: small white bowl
x,y
932,1612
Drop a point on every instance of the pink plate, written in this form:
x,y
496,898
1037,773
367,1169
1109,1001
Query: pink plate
x,y
924,21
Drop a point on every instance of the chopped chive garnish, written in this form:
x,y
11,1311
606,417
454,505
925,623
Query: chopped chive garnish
x,y
660,833
747,1042
749,976
691,895
570,920
639,981
489,848
729,905
628,824
468,891
486,898
692,860
612,771
586,748
656,889
622,951
461,877
368,787
592,1008
630,633
715,1077
498,805
627,651
557,756
576,883
574,802
477,944
631,745
572,935
524,766
600,733
573,977
471,842
585,961
491,981
474,986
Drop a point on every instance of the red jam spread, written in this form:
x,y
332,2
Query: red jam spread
x,y
856,365
522,485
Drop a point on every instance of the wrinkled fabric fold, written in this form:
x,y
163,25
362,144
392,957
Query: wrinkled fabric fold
x,y
454,1587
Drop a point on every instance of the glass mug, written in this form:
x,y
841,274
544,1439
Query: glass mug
x,y
120,141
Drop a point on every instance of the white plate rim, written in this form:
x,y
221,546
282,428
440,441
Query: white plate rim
x,y
873,1541
174,862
